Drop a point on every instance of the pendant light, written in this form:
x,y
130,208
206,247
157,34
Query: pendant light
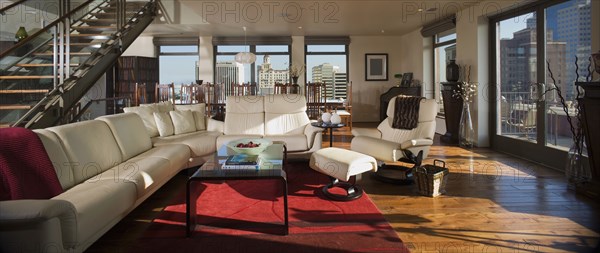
x,y
245,57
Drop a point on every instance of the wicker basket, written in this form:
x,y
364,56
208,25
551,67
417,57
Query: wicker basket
x,y
431,179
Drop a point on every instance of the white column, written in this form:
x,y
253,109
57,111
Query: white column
x,y
206,64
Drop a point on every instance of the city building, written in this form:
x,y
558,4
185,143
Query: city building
x,y
333,79
267,76
229,72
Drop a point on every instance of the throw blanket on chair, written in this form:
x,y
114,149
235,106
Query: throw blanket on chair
x,y
26,171
406,112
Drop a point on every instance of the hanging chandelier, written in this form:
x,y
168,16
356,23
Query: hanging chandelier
x,y
245,57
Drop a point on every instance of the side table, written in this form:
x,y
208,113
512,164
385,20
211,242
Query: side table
x,y
328,126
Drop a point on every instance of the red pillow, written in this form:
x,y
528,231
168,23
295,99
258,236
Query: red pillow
x,y
26,171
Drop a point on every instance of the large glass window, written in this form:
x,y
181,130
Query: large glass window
x,y
444,48
328,64
271,65
178,64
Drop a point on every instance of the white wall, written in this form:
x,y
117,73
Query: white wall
x,y
472,50
141,46
365,94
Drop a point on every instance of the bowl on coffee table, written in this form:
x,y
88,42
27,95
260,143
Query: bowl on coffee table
x,y
249,146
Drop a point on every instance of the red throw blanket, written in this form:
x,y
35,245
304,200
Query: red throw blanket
x,y
406,112
26,171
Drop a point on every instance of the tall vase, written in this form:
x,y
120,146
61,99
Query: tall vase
x,y
575,169
452,71
466,134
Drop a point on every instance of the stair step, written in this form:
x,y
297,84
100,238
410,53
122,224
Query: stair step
x,y
82,44
15,107
32,65
90,36
99,20
72,54
93,28
132,6
24,77
22,91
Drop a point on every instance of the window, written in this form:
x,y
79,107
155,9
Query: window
x,y
328,64
271,65
444,48
178,64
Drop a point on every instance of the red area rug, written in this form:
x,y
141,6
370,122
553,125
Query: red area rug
x,y
247,216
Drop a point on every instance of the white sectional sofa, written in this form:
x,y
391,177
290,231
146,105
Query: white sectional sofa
x,y
106,167
110,165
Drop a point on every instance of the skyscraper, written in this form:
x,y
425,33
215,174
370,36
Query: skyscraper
x,y
229,72
332,77
573,26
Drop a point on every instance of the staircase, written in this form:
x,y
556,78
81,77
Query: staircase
x,y
45,75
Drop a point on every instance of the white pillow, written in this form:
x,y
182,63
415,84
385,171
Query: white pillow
x,y
183,121
147,115
164,123
165,106
199,112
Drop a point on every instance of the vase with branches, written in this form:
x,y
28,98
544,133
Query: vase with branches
x,y
575,169
295,72
466,92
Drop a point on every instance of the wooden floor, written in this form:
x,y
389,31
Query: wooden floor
x,y
494,203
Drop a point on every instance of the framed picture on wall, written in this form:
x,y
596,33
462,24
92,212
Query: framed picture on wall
x,y
376,68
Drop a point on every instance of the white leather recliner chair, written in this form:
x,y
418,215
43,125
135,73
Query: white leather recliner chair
x,y
387,144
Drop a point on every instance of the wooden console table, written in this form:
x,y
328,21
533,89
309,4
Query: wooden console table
x,y
385,98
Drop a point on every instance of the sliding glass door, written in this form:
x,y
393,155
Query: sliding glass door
x,y
534,67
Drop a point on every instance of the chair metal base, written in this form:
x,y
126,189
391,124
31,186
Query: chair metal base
x,y
400,175
353,191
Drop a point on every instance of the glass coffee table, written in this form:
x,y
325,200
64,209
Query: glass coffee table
x,y
273,159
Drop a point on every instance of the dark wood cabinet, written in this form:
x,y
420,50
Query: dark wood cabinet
x,y
385,98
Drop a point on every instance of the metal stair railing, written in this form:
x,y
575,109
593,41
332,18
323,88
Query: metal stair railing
x,y
63,78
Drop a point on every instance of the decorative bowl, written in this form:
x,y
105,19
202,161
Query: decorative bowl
x,y
262,145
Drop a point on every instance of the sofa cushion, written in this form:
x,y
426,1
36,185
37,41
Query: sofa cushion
x,y
99,203
90,146
201,143
125,128
147,173
285,114
147,115
164,123
295,142
178,155
165,106
183,121
57,155
199,111
245,115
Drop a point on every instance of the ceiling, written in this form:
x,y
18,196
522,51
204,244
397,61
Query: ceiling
x,y
300,17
